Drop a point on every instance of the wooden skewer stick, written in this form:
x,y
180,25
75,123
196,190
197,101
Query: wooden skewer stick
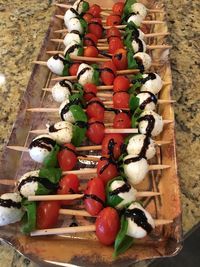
x,y
82,229
160,101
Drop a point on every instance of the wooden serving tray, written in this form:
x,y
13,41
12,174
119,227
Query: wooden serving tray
x,y
84,249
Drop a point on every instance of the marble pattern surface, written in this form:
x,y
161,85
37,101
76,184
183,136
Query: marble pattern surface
x,y
23,24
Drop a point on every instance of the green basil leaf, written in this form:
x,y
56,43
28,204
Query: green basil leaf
x,y
29,218
81,49
95,78
137,77
79,87
134,122
76,96
65,70
112,200
85,7
134,102
84,25
125,245
78,113
127,7
135,117
52,174
132,64
78,135
51,160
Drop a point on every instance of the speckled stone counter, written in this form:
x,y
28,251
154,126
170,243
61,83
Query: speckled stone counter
x,y
23,24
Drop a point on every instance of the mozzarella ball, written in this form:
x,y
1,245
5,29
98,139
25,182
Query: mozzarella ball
x,y
56,64
150,123
69,14
26,185
85,74
62,90
151,82
65,113
141,143
61,132
127,197
72,49
135,168
147,101
144,60
138,45
136,19
10,208
78,6
72,37
74,24
139,9
40,147
140,222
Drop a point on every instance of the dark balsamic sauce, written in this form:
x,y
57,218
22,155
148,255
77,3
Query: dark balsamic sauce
x,y
82,72
151,122
94,197
72,48
57,56
45,182
64,83
79,4
122,189
8,203
74,11
139,217
133,159
140,63
108,70
151,76
151,98
43,142
73,224
140,45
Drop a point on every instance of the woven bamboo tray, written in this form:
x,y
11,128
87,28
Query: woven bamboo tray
x,y
84,249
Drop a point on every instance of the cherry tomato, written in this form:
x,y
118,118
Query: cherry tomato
x,y
68,184
108,72
121,100
112,144
90,39
114,44
122,121
87,17
107,226
91,51
90,91
113,32
118,8
74,69
94,196
47,214
95,10
106,170
121,83
95,131
95,27
67,158
113,20
95,109
119,58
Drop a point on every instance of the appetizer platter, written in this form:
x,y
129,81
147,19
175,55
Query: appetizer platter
x,y
89,175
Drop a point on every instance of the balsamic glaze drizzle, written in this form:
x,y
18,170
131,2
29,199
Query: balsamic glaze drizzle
x,y
151,122
82,72
122,189
45,182
43,142
94,197
8,203
151,98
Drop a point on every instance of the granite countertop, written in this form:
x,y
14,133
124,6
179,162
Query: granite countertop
x,y
22,28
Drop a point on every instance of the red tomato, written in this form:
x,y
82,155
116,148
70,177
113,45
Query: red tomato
x,y
121,100
47,214
74,69
95,109
87,17
114,44
121,83
95,10
122,121
95,131
95,189
91,51
118,8
106,170
113,32
95,27
90,91
108,73
67,157
68,184
90,39
112,145
119,58
107,226
113,20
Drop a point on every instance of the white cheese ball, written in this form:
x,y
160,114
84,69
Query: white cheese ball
x,y
127,197
134,230
143,59
152,83
65,113
147,101
136,19
72,37
139,9
8,212
61,90
28,188
74,24
139,45
69,14
136,144
72,49
78,6
135,168
61,132
56,64
85,74
150,119
40,147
